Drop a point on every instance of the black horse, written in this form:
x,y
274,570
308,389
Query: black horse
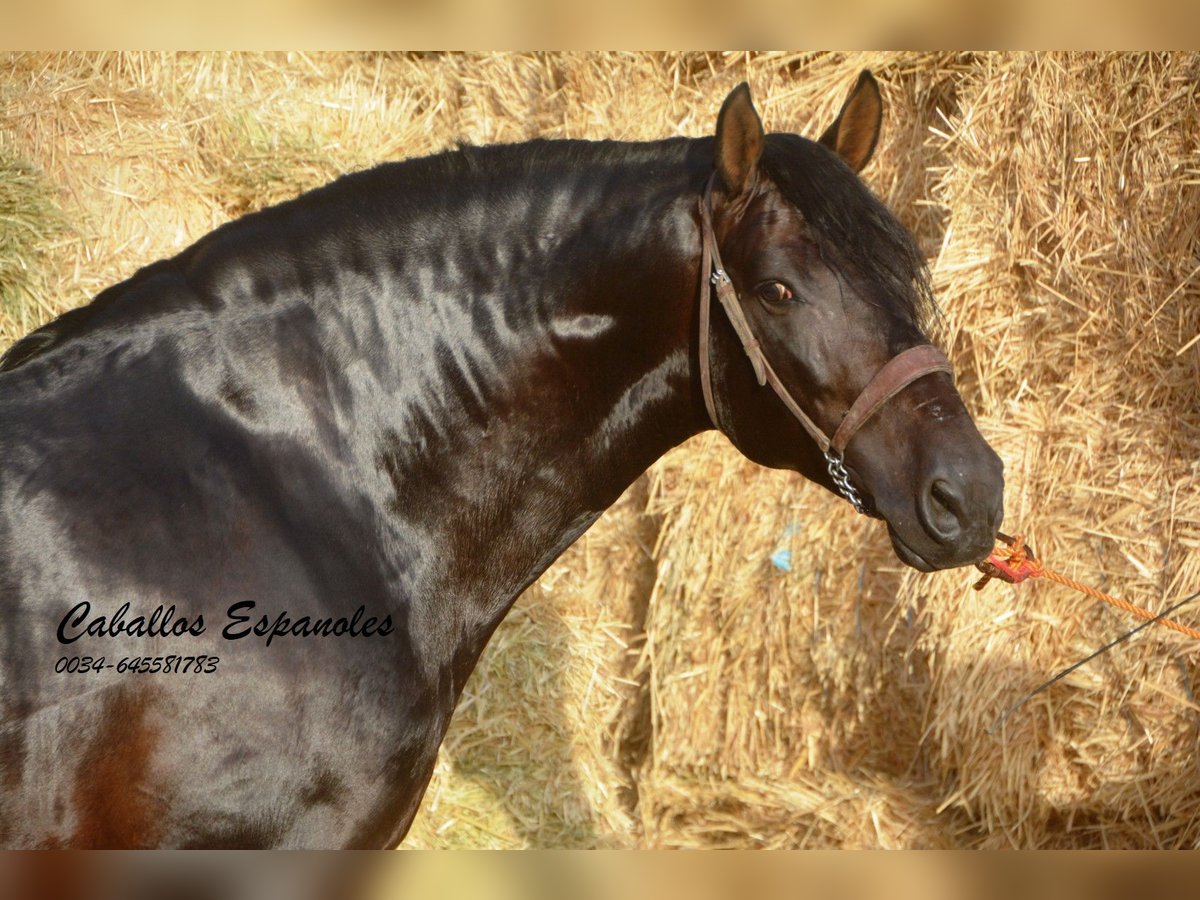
x,y
263,504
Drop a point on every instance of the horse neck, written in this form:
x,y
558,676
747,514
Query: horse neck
x,y
557,362
569,317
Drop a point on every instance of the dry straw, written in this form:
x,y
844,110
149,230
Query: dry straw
x,y
663,687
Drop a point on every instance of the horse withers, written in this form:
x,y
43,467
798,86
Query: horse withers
x,y
263,504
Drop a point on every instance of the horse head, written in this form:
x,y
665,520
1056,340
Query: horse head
x,y
828,295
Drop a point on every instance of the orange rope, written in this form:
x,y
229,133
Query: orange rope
x,y
1018,555
1120,604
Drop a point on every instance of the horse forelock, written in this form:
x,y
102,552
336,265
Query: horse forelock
x,y
857,234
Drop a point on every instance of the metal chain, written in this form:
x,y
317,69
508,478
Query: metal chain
x,y
841,478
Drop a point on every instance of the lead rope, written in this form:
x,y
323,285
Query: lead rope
x,y
1161,617
1013,562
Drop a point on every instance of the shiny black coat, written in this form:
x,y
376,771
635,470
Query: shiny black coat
x,y
387,406
408,391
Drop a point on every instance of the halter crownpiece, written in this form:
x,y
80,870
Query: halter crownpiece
x,y
897,373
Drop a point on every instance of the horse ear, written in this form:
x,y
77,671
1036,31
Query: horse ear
x,y
739,140
855,132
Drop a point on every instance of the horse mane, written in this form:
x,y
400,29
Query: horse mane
x,y
855,231
465,172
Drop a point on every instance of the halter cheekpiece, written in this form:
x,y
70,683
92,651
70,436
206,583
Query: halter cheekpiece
x,y
896,374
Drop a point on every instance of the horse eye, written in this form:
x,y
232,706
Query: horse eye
x,y
774,292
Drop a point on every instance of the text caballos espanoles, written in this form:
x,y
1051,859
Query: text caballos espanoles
x,y
242,622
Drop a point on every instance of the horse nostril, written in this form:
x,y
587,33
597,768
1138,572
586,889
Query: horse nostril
x,y
943,494
943,511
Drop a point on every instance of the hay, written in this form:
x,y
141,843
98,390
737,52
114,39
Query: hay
x,y
1071,282
1068,273
29,221
660,687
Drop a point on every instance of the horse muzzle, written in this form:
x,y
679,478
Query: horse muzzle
x,y
954,513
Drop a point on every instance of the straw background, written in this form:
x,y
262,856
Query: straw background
x,y
664,684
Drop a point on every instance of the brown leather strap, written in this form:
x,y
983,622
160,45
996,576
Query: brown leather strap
x,y
713,274
705,306
897,374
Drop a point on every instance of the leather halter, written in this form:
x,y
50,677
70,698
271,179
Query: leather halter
x,y
897,374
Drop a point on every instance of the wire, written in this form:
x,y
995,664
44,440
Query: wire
x,y
1067,671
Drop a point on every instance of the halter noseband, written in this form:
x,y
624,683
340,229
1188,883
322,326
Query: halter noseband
x,y
897,373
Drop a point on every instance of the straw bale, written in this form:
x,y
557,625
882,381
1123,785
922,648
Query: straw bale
x,y
672,680
31,220
1069,278
1067,270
